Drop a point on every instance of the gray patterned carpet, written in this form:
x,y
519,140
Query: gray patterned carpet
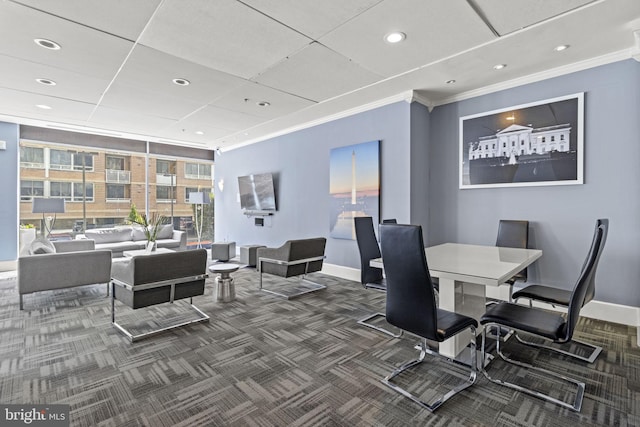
x,y
264,361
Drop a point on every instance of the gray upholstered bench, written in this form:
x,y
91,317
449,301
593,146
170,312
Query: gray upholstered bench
x,y
249,254
223,251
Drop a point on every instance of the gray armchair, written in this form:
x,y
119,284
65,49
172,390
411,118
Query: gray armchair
x,y
293,258
153,279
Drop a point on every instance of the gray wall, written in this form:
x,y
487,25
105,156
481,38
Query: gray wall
x,y
562,217
9,180
300,164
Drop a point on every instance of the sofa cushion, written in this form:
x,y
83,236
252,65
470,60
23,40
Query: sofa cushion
x,y
41,246
165,232
138,233
109,235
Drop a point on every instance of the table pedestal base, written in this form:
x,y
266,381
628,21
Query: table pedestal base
x,y
464,298
224,290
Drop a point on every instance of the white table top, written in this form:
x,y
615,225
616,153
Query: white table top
x,y
139,252
484,265
223,268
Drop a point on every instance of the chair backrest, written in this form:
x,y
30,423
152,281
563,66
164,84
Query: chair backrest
x,y
584,288
411,303
303,249
168,266
514,234
369,249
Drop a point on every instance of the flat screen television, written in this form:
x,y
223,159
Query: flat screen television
x,y
257,193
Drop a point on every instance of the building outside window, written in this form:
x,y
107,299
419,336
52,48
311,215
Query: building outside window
x,y
113,181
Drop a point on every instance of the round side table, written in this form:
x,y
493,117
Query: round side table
x,y
224,290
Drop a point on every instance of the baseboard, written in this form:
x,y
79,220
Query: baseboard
x,y
616,313
8,265
347,273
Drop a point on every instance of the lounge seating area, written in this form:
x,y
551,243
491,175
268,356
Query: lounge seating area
x,y
120,239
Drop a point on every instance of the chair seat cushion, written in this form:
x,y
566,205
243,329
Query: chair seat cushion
x,y
527,319
450,323
545,294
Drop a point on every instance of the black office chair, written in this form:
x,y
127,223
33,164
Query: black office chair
x,y
370,277
561,297
411,304
546,324
513,234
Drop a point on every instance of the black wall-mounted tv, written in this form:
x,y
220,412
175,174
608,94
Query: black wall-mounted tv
x,y
257,193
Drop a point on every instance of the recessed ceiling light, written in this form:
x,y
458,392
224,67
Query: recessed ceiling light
x,y
499,66
47,44
199,132
181,82
395,37
561,47
263,104
450,81
44,107
46,82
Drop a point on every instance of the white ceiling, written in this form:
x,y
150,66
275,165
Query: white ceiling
x,y
311,60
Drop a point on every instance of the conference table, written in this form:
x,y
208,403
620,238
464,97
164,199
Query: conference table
x,y
464,271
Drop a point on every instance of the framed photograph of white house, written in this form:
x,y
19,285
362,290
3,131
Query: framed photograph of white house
x,y
540,143
354,187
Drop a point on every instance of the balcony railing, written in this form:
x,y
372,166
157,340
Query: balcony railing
x,y
114,176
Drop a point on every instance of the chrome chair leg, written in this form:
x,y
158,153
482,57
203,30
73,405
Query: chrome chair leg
x,y
580,386
595,350
365,322
440,400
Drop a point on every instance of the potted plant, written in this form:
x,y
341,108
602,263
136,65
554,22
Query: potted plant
x,y
150,225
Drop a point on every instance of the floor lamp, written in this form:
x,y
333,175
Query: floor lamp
x,y
199,198
47,206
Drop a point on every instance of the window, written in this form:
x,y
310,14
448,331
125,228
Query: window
x,y
65,160
189,190
544,138
522,142
77,191
165,167
31,157
59,159
116,191
115,163
60,189
553,138
504,144
31,189
164,192
493,146
70,191
197,171
562,137
521,152
513,143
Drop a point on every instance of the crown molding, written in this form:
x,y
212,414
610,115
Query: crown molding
x,y
536,77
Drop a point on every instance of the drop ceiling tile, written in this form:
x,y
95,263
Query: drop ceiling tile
x,y
221,118
151,70
123,18
225,35
512,15
133,99
84,50
317,73
312,18
186,130
21,75
244,99
435,29
128,121
17,102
